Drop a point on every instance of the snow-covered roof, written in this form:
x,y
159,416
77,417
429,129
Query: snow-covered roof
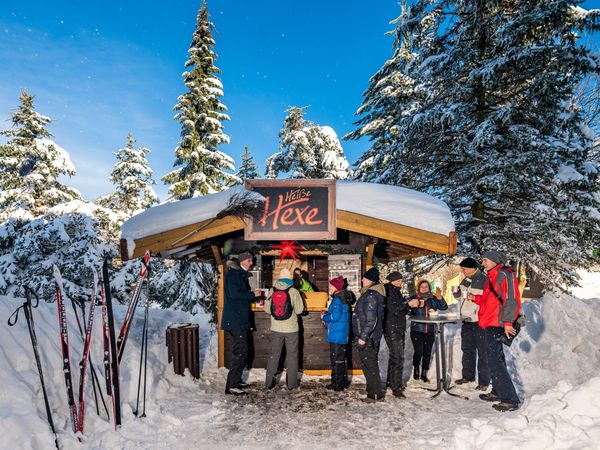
x,y
391,203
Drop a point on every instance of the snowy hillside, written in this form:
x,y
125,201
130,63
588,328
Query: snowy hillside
x,y
557,362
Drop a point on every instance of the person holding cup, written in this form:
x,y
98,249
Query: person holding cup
x,y
472,339
421,334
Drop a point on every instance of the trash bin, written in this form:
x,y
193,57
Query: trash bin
x,y
182,342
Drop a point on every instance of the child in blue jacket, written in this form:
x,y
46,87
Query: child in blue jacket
x,y
337,323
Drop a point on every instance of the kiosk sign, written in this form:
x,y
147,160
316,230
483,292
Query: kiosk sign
x,y
294,210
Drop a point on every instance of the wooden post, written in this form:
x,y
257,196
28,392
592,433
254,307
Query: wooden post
x,y
370,253
220,302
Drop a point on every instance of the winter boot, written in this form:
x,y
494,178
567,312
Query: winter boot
x,y
416,373
424,378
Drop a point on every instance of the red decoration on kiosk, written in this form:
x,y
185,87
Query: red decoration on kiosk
x,y
288,249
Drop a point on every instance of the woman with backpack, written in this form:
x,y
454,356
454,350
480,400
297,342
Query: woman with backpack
x,y
337,323
284,304
421,334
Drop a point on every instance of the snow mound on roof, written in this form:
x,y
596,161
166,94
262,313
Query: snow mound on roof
x,y
391,203
395,204
169,216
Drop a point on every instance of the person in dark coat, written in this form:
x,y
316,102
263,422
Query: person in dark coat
x,y
367,325
422,334
337,324
394,331
236,318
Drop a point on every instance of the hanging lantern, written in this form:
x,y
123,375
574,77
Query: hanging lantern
x,y
288,249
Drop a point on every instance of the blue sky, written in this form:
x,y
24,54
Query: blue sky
x,y
103,69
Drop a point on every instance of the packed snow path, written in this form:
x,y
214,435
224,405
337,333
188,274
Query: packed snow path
x,y
555,361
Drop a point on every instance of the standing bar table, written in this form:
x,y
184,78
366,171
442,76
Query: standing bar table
x,y
441,364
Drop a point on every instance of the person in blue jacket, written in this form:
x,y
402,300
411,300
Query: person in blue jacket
x,y
337,323
422,334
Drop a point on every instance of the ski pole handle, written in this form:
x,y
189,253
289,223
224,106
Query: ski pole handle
x,y
11,321
28,291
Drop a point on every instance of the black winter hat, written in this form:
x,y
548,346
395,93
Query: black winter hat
x,y
469,263
372,274
393,276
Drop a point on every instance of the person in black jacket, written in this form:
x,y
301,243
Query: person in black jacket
x,y
236,317
394,331
367,325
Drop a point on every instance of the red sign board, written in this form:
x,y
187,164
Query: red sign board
x,y
294,210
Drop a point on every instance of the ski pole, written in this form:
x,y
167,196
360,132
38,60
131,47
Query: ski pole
x,y
146,340
27,308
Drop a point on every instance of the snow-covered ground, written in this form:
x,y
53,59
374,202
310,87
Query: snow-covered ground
x,y
555,361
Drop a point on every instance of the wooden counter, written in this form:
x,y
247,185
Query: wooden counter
x,y
313,351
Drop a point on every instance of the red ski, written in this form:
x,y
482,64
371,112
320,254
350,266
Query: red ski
x,y
124,332
86,351
64,339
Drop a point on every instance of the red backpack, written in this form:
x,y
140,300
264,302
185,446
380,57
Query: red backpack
x,y
281,304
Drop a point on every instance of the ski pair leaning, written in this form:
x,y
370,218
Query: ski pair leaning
x,y
113,348
77,413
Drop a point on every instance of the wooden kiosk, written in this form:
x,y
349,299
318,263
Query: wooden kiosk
x,y
338,228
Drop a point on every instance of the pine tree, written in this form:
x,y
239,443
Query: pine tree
x,y
132,177
248,168
489,127
200,167
30,164
307,150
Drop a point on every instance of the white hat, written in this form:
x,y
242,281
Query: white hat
x,y
285,273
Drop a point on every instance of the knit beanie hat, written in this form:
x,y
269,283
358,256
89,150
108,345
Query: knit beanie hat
x,y
372,274
393,276
338,283
495,256
469,263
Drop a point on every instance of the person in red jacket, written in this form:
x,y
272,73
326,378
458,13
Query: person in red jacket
x,y
499,306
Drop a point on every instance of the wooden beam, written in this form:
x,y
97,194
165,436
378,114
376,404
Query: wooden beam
x,y
452,243
217,254
370,253
200,231
327,372
393,232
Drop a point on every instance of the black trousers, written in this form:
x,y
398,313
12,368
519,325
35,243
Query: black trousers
x,y
370,366
474,355
395,343
238,357
422,343
337,352
502,385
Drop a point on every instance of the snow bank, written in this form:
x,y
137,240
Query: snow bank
x,y
392,203
555,362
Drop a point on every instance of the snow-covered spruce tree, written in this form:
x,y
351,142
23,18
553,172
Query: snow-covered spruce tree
x,y
392,94
496,135
30,164
132,178
307,150
75,236
200,168
248,169
185,285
